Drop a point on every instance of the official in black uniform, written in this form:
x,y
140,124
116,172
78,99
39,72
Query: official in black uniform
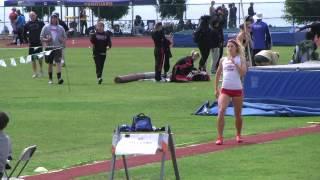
x,y
101,41
32,31
159,40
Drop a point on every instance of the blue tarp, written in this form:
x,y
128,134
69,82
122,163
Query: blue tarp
x,y
184,39
276,93
77,2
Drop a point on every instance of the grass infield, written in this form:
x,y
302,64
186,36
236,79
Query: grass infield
x,y
75,127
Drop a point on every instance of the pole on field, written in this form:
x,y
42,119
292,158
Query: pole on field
x,y
245,31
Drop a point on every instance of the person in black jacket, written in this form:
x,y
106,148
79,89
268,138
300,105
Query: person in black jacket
x,y
203,34
184,68
219,18
33,29
215,44
101,42
160,41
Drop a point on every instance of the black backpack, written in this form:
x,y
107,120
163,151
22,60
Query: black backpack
x,y
141,122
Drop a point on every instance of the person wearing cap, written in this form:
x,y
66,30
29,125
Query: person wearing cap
x,y
260,35
101,42
5,143
66,28
32,30
61,22
54,37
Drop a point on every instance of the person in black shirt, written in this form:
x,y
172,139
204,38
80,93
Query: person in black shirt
x,y
159,40
101,42
203,33
32,30
251,10
183,70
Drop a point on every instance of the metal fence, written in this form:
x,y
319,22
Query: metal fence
x,y
273,14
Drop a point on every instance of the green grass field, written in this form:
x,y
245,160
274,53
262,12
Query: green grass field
x,y
75,127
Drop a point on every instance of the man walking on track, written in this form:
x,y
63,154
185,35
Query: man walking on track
x,y
54,37
32,30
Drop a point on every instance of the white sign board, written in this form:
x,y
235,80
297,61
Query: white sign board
x,y
142,144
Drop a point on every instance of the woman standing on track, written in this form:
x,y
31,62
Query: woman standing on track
x,y
232,68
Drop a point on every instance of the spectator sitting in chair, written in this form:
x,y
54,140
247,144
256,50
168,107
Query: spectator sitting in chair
x,y
5,144
138,25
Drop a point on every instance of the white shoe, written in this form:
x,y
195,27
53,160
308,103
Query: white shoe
x,y
50,82
34,76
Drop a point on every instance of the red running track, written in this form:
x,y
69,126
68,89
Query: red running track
x,y
104,166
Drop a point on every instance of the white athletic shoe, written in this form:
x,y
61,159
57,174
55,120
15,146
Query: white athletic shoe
x,y
50,82
34,76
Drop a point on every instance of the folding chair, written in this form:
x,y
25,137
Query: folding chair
x,y
25,156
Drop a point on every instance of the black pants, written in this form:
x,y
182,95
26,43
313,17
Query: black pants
x,y
20,35
99,61
204,51
167,56
82,25
220,56
159,59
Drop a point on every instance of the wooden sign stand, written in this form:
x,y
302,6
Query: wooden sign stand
x,y
171,146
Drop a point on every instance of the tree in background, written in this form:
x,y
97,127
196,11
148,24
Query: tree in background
x,y
302,11
40,10
172,8
110,13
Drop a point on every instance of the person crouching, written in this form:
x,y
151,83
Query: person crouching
x,y
101,42
183,70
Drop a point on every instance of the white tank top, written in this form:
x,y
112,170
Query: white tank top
x,y
231,77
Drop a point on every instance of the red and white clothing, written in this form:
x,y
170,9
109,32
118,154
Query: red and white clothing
x,y
231,78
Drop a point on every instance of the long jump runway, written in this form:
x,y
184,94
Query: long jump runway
x,y
197,149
